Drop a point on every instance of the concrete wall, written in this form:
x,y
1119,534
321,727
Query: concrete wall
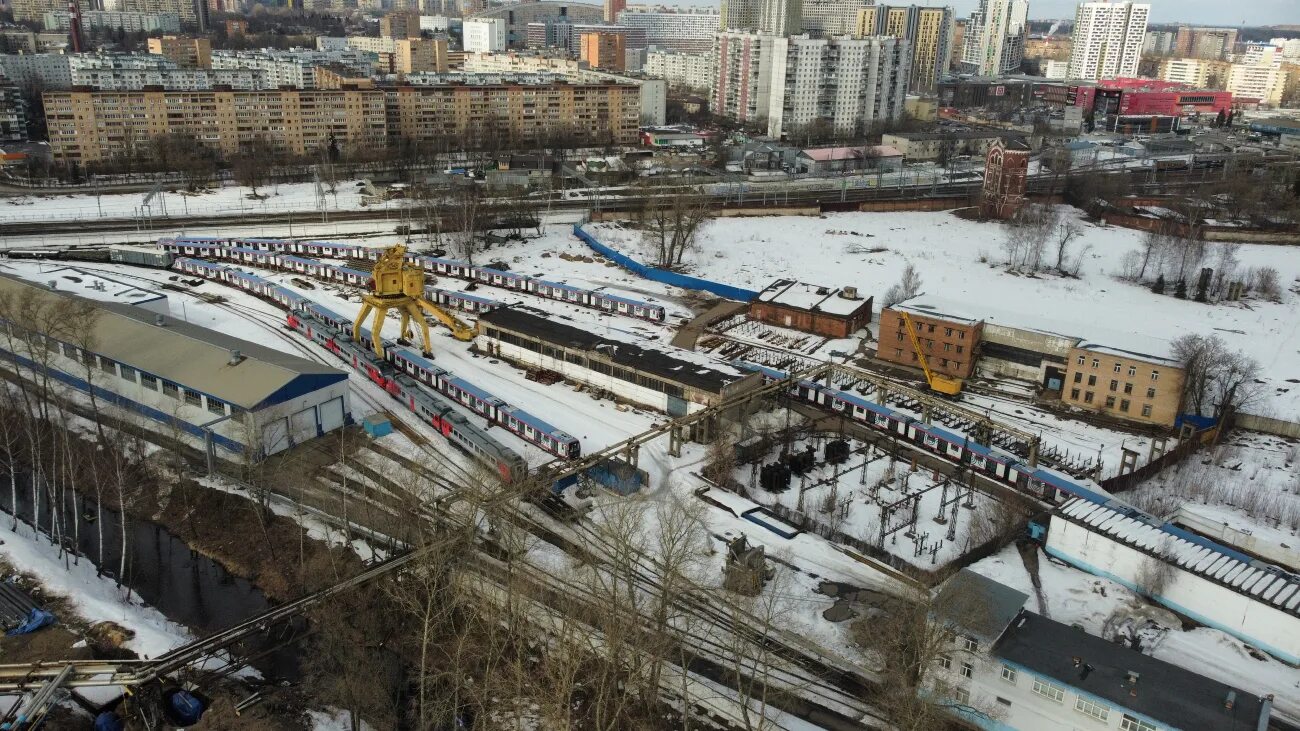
x,y
1210,603
1266,424
1226,534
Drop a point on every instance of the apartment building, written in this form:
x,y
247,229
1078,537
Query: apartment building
x,y
13,114
771,17
950,341
600,50
927,31
1264,82
684,31
484,35
826,18
612,8
400,25
116,20
1197,73
994,42
184,52
1126,385
295,67
1209,43
93,126
653,92
517,16
789,82
1159,42
1108,39
691,70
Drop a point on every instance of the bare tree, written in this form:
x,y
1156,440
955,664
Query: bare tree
x,y
908,286
1026,237
670,220
1215,375
1066,232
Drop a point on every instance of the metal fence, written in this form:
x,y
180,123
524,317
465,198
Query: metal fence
x,y
662,275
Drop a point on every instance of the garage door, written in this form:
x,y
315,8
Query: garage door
x,y
275,436
331,414
302,425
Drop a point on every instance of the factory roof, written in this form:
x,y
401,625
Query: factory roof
x,y
188,355
1141,684
810,297
978,605
657,362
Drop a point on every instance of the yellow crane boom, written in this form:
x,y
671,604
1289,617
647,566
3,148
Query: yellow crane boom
x,y
937,382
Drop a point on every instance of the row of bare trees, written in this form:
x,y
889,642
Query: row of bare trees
x,y
1041,237
1170,258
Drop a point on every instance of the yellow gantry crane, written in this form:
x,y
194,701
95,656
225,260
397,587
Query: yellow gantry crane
x,y
398,285
939,383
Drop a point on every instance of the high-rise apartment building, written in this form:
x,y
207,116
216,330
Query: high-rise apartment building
x,y
792,82
828,18
1211,43
685,31
185,52
92,126
771,17
1197,73
400,25
692,70
612,10
484,35
1108,39
1159,42
928,33
602,50
994,42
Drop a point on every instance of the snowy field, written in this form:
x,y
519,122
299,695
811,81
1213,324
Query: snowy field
x,y
1109,610
870,250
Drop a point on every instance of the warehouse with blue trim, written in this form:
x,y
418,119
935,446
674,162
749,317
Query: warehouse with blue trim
x,y
242,398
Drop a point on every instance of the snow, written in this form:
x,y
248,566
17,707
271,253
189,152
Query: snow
x,y
1104,608
946,250
333,719
94,598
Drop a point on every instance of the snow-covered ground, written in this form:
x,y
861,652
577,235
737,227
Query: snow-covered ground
x,y
870,250
1107,609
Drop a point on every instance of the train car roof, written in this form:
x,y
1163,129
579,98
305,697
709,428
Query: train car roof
x,y
620,298
536,423
867,404
465,296
559,285
417,359
471,389
349,270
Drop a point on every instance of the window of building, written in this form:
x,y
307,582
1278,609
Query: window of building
x,y
1048,691
108,365
1130,723
1092,380
947,346
898,352
968,643
1087,397
961,334
962,696
1088,708
1009,674
1114,385
1128,388
1132,370
932,328
193,398
1155,375
128,373
1146,410
1003,701
961,348
967,670
1096,362
1117,367
148,381
1151,393
944,361
171,389
947,331
1078,377
216,406
1110,402
1123,405
1081,360
1074,394
945,662
900,335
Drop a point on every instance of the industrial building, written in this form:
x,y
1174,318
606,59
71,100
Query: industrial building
x,y
950,341
240,397
833,312
668,379
1123,384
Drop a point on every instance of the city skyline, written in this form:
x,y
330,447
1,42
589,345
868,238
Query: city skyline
x,y
1197,12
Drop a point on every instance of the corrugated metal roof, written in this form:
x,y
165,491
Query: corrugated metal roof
x,y
1265,583
194,357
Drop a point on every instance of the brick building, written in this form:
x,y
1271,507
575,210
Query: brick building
x,y
835,313
1006,177
602,50
189,53
950,341
1123,384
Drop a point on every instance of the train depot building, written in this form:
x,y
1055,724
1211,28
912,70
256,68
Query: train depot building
x,y
244,399
667,379
950,340
827,311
